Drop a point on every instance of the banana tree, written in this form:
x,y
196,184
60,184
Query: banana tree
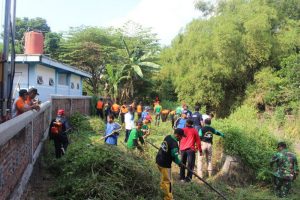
x,y
137,64
114,77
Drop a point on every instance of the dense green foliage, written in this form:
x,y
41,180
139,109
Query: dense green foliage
x,y
248,138
214,60
25,24
121,63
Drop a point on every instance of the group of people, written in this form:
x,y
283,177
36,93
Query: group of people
x,y
106,107
192,135
135,130
25,102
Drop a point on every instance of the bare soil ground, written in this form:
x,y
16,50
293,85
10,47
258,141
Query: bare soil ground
x,y
39,184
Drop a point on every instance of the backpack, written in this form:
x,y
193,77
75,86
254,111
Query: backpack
x,y
56,128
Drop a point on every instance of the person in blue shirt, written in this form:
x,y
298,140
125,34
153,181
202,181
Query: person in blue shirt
x,y
112,131
181,122
186,111
145,113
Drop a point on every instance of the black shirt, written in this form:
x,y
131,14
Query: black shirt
x,y
207,134
196,117
164,156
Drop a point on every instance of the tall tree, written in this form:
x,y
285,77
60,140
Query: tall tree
x,y
52,44
214,60
137,64
90,49
25,24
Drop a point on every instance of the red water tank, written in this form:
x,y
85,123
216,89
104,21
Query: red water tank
x,y
34,43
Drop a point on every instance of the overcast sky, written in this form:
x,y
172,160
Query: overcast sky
x,y
166,17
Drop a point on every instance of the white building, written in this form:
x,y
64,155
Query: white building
x,y
47,75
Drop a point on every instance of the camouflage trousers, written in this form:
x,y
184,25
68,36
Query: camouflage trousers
x,y
282,186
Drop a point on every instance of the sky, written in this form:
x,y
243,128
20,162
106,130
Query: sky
x,y
165,17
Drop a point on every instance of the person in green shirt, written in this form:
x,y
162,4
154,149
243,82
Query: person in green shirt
x,y
286,169
157,112
145,128
168,153
135,135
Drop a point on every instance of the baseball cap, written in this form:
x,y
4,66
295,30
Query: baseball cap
x,y
61,112
33,90
179,131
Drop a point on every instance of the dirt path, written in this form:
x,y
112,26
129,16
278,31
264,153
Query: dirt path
x,y
39,184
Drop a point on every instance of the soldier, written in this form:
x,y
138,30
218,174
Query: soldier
x,y
287,169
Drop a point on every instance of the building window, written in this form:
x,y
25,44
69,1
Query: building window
x,y
39,80
62,79
51,81
72,85
77,86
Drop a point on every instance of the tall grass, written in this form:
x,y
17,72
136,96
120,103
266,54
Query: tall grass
x,y
247,137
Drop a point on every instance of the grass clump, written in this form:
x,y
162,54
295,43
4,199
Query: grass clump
x,y
93,170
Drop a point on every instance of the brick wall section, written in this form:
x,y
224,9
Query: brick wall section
x,y
71,104
37,131
14,157
19,139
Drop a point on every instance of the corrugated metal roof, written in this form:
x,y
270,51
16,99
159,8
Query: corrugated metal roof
x,y
23,58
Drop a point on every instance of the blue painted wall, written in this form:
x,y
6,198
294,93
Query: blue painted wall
x,y
45,89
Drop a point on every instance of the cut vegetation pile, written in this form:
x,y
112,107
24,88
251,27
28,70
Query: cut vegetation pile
x,y
93,170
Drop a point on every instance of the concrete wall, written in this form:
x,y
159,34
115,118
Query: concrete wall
x,y
45,90
20,79
77,89
71,104
21,140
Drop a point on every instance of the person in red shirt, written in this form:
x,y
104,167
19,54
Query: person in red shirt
x,y
188,147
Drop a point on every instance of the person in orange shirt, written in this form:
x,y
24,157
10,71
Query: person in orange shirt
x,y
115,108
99,107
164,115
124,110
20,106
30,100
139,110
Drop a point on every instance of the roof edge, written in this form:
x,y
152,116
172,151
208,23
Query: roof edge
x,y
49,61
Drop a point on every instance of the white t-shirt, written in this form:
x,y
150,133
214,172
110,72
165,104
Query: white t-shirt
x,y
205,116
128,120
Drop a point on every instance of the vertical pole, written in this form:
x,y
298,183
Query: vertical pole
x,y
11,75
6,68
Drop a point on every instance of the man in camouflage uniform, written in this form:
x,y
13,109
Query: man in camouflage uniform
x,y
286,169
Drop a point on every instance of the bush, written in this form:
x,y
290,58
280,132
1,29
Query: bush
x,y
171,105
249,138
94,101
